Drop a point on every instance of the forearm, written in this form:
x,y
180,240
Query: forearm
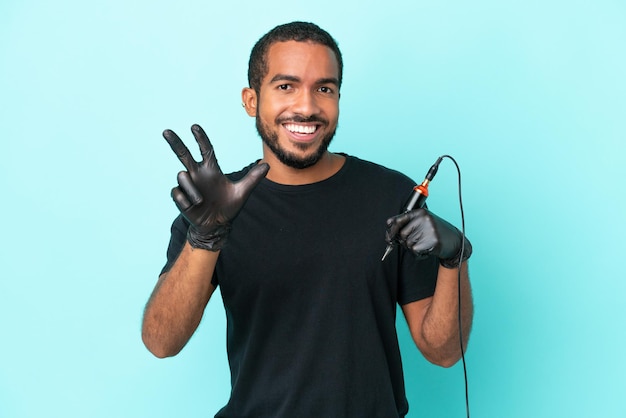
x,y
178,301
440,327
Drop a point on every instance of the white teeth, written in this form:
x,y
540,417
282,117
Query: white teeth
x,y
300,129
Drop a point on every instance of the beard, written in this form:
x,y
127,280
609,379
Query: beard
x,y
270,138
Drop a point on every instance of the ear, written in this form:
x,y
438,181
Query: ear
x,y
249,101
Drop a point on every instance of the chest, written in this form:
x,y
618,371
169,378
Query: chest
x,y
292,244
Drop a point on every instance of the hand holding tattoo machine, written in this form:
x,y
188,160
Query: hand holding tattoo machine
x,y
423,232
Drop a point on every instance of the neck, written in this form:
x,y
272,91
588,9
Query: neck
x,y
280,173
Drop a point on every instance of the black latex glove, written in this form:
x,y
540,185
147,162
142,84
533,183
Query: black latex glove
x,y
427,234
205,197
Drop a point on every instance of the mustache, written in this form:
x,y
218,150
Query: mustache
x,y
301,119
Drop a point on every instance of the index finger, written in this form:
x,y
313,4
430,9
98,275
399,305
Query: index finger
x,y
394,225
180,149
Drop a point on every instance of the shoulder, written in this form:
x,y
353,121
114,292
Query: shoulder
x,y
377,174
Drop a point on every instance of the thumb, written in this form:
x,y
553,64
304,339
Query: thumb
x,y
250,181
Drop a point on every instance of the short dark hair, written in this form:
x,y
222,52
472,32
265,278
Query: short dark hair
x,y
294,31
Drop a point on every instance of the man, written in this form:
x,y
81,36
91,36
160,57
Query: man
x,y
294,241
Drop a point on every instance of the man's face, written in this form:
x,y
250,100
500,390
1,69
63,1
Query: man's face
x,y
298,102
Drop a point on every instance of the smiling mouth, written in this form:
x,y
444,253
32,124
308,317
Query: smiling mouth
x,y
296,128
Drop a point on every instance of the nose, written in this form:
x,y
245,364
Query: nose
x,y
306,104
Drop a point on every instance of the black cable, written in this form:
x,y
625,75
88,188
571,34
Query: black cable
x,y
467,408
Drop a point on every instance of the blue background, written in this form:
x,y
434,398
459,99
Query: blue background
x,y
529,97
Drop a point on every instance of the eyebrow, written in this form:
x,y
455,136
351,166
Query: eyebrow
x,y
286,77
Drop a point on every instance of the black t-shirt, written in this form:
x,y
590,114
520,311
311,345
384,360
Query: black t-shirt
x,y
310,307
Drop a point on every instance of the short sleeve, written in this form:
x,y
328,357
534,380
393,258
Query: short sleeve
x,y
177,242
418,277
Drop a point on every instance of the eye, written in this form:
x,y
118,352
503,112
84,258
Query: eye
x,y
326,89
284,86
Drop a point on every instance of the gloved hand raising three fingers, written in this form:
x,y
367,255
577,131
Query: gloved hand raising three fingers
x,y
424,233
205,196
